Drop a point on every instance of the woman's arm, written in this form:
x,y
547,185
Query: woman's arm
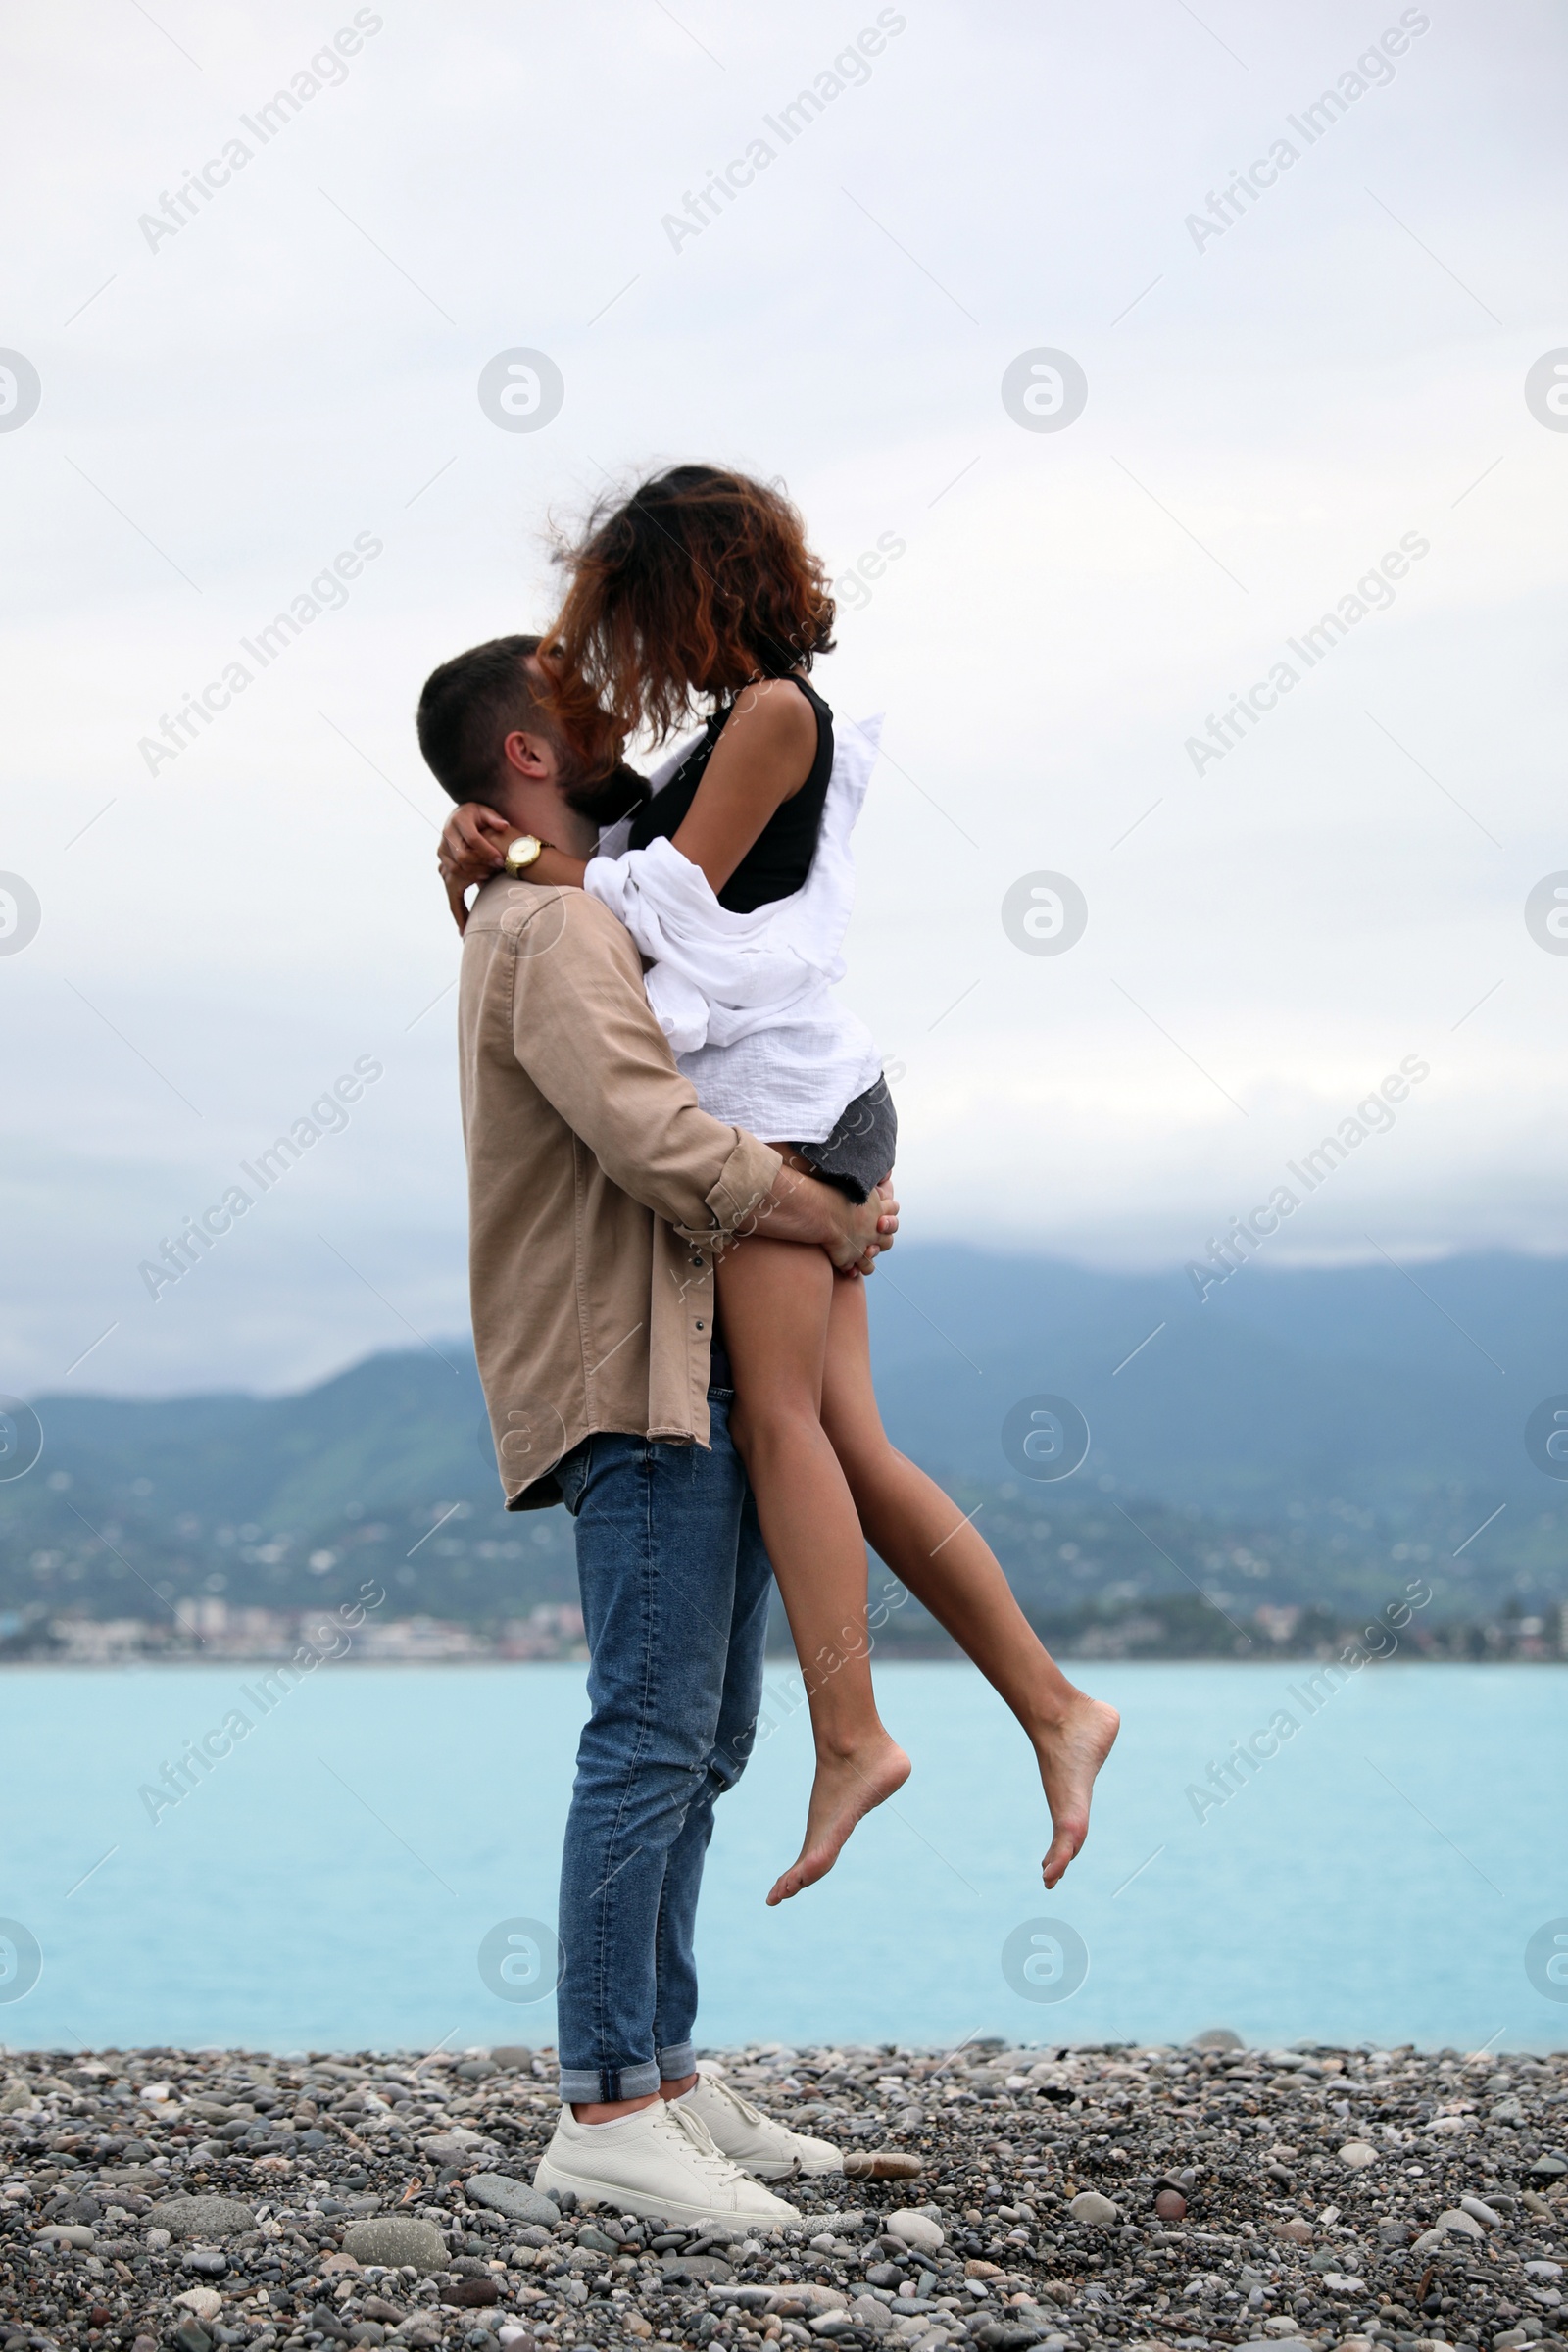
x,y
761,761
475,846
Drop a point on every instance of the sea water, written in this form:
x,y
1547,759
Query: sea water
x,y
374,1863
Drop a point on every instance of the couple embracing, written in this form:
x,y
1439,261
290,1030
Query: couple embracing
x,y
680,1150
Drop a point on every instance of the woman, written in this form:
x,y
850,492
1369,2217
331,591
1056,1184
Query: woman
x,y
700,591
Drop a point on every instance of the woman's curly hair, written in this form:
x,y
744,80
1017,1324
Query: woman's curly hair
x,y
698,583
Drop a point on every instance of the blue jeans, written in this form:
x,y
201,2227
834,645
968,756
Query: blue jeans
x,y
675,1586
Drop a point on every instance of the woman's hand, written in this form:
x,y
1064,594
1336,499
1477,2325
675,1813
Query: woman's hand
x,y
475,847
472,847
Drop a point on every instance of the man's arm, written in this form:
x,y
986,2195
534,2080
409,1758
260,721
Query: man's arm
x,y
582,1029
802,1208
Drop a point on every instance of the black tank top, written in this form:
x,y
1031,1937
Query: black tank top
x,y
781,857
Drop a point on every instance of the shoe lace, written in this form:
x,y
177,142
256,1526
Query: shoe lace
x,y
709,2156
727,2090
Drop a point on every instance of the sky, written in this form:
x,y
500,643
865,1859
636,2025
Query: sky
x,y
1091,433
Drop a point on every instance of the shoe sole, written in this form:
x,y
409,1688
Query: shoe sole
x,y
550,2176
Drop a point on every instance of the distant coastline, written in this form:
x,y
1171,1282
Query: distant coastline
x,y
1174,1630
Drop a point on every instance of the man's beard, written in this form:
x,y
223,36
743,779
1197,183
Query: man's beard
x,y
605,800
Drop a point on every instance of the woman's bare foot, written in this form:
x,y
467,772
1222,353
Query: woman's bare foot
x,y
1071,1752
846,1789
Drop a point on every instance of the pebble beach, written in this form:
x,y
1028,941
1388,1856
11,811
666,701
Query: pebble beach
x,y
1001,2196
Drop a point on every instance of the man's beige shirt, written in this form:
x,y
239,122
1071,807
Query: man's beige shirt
x,y
598,1190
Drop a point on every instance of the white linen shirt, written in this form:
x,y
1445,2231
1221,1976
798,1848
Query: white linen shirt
x,y
747,1001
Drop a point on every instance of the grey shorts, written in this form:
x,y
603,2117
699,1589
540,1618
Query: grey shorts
x,y
859,1152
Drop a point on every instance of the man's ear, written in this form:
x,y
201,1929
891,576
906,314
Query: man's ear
x,y
528,755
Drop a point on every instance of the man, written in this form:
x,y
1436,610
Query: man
x,y
599,1193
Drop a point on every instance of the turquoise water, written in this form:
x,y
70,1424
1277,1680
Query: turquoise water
x,y
330,1883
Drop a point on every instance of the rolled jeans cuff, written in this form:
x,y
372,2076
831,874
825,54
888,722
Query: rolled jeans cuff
x,y
678,2062
586,2086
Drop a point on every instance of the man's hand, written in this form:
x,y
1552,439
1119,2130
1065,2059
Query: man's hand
x,y
803,1208
870,1227
854,1240
887,1227
472,847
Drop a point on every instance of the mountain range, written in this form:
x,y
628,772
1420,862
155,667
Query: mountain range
x,y
1292,1435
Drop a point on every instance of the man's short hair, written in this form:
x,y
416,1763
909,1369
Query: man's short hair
x,y
468,708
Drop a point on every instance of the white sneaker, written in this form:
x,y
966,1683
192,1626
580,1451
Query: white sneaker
x,y
657,2162
750,2138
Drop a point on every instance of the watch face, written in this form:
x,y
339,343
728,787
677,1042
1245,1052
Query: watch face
x,y
521,853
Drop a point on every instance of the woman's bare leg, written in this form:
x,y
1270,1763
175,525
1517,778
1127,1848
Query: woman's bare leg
x,y
949,1566
776,1302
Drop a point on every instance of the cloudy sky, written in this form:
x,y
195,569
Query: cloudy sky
x,y
1289,379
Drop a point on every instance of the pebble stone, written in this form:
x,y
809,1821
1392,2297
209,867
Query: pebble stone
x,y
1074,2199
204,2217
514,2198
396,2240
915,2229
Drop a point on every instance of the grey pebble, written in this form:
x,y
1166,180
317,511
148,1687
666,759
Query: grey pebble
x,y
203,2217
397,2238
689,2270
514,2198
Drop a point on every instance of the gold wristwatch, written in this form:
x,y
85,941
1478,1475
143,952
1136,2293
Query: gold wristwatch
x,y
524,852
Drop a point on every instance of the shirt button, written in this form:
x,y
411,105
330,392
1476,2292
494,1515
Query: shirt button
x,y
699,1323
